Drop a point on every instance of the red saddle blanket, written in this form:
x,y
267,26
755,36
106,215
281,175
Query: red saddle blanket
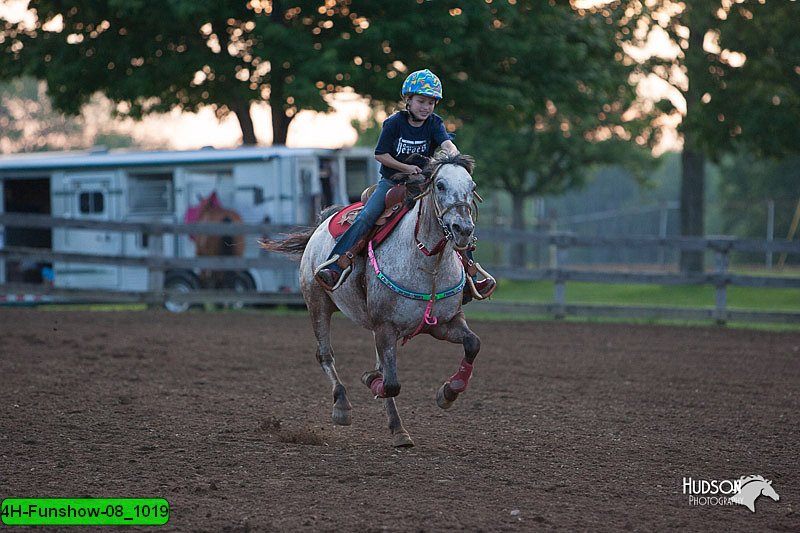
x,y
341,221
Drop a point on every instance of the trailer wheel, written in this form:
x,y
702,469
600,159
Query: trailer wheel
x,y
179,282
240,282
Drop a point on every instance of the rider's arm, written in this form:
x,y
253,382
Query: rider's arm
x,y
388,161
449,147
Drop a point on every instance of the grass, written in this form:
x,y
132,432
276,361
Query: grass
x,y
541,292
751,298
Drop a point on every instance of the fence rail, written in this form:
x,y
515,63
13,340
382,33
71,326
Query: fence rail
x,y
559,271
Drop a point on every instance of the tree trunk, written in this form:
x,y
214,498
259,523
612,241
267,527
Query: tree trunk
x,y
518,222
280,126
242,110
692,200
693,158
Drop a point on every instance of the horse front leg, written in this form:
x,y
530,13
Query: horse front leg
x,y
457,331
383,383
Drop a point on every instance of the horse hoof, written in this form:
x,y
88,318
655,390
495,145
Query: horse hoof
x,y
402,440
443,399
342,417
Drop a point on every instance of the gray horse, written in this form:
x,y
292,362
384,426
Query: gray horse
x,y
398,290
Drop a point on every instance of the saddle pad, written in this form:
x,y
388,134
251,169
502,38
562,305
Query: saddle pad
x,y
342,220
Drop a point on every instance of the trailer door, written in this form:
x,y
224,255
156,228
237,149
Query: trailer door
x,y
89,197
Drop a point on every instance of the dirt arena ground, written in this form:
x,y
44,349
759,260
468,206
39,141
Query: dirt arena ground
x,y
565,426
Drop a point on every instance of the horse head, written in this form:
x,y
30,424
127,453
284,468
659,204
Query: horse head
x,y
768,491
751,488
449,183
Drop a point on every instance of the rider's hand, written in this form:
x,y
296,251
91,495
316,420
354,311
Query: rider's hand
x,y
413,169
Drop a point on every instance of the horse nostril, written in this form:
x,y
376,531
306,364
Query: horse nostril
x,y
458,229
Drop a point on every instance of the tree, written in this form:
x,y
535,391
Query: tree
x,y
28,122
150,56
535,89
735,70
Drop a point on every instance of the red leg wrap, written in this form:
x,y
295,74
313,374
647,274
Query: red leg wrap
x,y
460,380
377,388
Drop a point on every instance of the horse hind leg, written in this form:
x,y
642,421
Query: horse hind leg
x,y
321,310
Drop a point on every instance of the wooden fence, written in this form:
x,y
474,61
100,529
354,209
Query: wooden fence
x,y
559,269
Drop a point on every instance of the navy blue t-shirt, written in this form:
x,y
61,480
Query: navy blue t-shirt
x,y
400,139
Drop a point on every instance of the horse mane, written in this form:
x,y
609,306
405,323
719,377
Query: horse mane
x,y
744,480
444,158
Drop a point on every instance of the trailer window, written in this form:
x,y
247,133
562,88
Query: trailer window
x,y
91,202
357,177
151,194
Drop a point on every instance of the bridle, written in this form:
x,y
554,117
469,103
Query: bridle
x,y
439,213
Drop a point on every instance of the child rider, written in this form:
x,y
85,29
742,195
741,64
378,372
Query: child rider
x,y
415,130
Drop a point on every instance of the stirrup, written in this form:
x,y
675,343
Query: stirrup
x,y
475,294
342,276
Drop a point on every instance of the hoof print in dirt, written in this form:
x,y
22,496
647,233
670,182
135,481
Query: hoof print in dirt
x,y
309,436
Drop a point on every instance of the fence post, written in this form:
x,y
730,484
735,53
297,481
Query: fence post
x,y
560,290
721,261
663,215
155,277
770,229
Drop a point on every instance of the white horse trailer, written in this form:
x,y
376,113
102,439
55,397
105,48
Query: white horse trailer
x,y
277,185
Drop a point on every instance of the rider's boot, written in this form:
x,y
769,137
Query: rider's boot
x,y
484,288
333,272
480,289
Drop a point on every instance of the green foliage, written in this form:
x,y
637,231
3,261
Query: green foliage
x,y
152,56
760,100
731,106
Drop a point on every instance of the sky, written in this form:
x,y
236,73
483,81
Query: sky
x,y
185,131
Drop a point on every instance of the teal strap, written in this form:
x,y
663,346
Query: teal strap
x,y
411,294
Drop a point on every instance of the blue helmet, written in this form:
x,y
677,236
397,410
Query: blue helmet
x,y
422,82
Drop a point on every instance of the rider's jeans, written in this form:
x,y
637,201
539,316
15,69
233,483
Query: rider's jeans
x,y
364,221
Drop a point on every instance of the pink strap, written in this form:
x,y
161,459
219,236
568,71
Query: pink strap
x,y
372,259
428,320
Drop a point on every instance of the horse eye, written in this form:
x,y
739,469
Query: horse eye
x,y
440,186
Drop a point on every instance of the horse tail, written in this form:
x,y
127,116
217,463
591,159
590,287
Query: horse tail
x,y
294,244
